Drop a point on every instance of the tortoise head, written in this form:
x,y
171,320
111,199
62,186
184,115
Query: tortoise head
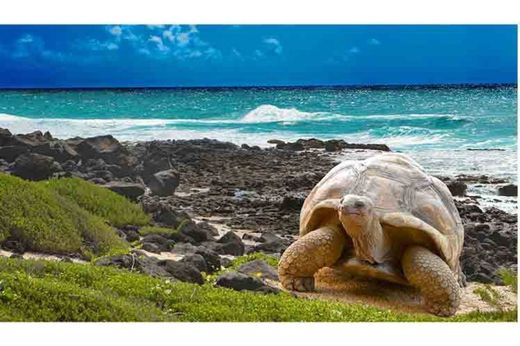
x,y
361,223
355,210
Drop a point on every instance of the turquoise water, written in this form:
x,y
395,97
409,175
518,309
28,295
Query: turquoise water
x,y
405,119
436,125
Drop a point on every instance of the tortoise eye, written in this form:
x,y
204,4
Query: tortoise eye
x,y
359,204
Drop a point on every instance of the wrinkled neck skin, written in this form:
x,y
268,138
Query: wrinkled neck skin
x,y
370,242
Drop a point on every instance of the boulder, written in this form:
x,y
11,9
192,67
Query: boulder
x,y
182,271
151,247
197,261
162,243
333,145
311,143
231,244
130,190
275,141
135,261
292,202
456,187
241,282
164,183
259,269
290,146
212,259
270,243
35,166
508,190
13,245
11,152
5,136
156,160
131,236
58,150
192,230
169,217
105,147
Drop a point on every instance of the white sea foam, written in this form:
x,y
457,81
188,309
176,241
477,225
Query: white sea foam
x,y
270,113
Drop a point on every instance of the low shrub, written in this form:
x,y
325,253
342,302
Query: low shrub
x,y
510,278
46,222
56,291
114,208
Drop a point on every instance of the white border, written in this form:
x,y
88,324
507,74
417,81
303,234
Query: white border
x,y
260,12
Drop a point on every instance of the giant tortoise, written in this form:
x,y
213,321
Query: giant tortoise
x,y
383,218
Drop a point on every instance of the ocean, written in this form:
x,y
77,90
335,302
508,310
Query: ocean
x,y
436,125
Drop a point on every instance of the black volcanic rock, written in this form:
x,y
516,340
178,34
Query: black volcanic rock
x,y
508,190
35,166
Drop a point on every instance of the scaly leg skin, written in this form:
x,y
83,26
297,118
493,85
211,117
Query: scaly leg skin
x,y
438,285
315,250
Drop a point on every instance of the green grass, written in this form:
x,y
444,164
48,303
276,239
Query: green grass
x,y
488,295
156,230
114,208
56,291
510,278
47,222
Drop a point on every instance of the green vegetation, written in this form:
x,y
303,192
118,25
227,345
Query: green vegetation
x,y
237,262
156,230
56,291
488,294
45,221
114,208
510,278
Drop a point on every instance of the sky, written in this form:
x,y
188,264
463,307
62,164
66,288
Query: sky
x,y
57,56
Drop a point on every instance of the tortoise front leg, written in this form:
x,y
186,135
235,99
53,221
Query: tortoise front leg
x,y
434,278
315,250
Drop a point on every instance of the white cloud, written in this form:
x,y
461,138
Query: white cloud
x,y
158,43
354,50
115,30
155,26
374,42
29,46
275,45
183,38
236,52
144,51
168,35
96,45
27,38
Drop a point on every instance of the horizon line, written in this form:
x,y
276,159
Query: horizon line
x,y
304,86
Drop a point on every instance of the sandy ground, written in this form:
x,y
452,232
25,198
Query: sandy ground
x,y
332,286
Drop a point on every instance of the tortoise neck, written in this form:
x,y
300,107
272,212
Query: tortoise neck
x,y
370,243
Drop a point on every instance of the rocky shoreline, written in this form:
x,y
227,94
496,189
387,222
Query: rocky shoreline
x,y
253,195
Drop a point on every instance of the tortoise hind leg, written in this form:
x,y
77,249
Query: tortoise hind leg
x,y
315,250
437,283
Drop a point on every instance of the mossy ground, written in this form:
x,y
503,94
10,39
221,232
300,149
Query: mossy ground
x,y
56,291
59,216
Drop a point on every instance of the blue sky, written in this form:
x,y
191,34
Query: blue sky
x,y
241,55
